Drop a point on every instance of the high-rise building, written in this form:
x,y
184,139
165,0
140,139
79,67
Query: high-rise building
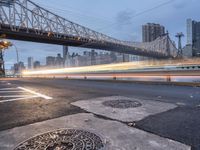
x,y
18,67
189,31
152,31
93,57
30,62
65,52
59,61
36,64
193,36
50,61
21,65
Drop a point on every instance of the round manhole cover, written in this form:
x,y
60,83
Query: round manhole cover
x,y
65,139
123,104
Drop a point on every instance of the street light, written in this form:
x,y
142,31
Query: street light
x,y
17,52
5,44
9,44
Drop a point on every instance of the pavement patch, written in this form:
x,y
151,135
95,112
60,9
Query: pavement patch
x,y
115,135
144,108
181,124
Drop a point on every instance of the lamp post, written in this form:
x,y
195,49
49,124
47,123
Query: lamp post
x,y
17,52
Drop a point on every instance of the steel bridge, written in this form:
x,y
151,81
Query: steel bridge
x,y
27,21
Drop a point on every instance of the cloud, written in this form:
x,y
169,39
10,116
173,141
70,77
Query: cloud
x,y
124,27
124,18
179,4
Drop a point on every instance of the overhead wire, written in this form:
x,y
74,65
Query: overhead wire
x,y
89,18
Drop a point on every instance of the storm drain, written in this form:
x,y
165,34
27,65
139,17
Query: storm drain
x,y
64,139
122,103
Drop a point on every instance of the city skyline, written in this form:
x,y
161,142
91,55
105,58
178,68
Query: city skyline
x,y
89,57
130,24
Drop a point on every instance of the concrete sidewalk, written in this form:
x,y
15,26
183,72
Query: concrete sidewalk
x,y
146,108
115,135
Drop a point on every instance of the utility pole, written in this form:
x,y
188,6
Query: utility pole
x,y
180,51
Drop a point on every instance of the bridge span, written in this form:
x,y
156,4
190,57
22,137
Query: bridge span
x,y
27,21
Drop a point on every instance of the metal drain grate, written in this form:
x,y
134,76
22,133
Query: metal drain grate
x,y
64,139
123,104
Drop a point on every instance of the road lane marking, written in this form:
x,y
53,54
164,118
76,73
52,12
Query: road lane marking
x,y
181,104
17,99
36,93
12,91
8,96
3,89
30,94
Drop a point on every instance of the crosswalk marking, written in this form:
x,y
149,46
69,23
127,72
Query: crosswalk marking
x,y
17,99
11,91
7,96
35,93
11,94
6,89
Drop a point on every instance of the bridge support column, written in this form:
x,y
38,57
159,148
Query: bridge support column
x,y
65,55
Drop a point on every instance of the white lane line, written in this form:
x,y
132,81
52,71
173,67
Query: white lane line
x,y
8,83
181,104
8,96
17,99
12,91
3,89
35,93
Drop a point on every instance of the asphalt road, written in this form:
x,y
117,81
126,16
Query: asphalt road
x,y
21,107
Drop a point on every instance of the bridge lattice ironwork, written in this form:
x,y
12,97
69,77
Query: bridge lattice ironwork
x,y
25,20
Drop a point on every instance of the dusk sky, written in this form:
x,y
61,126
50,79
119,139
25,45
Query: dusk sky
x,y
121,19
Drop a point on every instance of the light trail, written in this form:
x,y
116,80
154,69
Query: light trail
x,y
154,66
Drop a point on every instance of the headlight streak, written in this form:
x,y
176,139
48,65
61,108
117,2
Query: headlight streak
x,y
119,67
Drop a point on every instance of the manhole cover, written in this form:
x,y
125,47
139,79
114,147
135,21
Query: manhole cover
x,y
65,139
122,104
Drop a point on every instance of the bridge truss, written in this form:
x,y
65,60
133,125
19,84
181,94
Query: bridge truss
x,y
25,20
